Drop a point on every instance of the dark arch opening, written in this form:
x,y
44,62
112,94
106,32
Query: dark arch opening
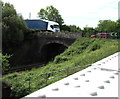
x,y
49,51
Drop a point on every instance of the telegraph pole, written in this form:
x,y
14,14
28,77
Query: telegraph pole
x,y
30,15
119,10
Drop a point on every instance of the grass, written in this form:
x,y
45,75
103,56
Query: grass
x,y
82,52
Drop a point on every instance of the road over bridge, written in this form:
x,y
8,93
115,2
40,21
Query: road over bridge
x,y
42,47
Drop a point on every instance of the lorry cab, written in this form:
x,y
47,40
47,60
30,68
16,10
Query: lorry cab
x,y
53,26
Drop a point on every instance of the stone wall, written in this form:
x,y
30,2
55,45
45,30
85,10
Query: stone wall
x,y
30,50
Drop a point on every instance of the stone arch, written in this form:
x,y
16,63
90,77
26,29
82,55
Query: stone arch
x,y
58,42
51,49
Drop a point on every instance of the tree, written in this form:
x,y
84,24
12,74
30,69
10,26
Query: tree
x,y
65,28
70,28
13,27
106,26
74,28
51,14
8,10
88,31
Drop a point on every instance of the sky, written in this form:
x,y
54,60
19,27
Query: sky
x,y
81,13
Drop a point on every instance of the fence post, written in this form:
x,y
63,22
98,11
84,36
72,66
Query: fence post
x,y
29,83
67,71
46,78
16,79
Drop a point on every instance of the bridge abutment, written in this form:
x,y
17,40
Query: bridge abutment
x,y
41,48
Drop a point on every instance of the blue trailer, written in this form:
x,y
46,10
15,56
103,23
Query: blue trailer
x,y
43,25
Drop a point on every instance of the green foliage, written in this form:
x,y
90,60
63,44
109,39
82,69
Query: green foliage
x,y
4,60
88,31
8,10
6,91
13,27
118,28
106,26
74,28
52,14
65,28
95,47
70,28
60,59
109,26
82,52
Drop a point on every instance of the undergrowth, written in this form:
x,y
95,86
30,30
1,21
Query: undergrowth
x,y
82,52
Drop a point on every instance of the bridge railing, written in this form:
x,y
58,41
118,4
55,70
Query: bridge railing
x,y
35,82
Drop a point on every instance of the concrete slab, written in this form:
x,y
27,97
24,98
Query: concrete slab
x,y
98,80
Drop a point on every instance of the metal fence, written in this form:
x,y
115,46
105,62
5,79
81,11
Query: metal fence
x,y
31,81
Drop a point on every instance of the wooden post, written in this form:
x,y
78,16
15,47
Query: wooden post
x,y
46,78
67,71
29,83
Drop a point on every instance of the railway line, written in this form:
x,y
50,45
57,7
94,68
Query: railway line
x,y
23,68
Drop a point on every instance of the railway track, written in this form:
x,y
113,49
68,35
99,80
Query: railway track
x,y
23,68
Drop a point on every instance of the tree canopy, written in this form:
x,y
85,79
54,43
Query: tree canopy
x,y
70,28
13,27
106,26
51,14
87,31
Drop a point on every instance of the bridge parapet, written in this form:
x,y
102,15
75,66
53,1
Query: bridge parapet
x,y
72,35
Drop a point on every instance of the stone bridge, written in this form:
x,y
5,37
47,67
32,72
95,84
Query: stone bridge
x,y
42,47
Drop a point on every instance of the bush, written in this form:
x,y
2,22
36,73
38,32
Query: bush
x,y
59,59
78,54
95,47
5,62
6,89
